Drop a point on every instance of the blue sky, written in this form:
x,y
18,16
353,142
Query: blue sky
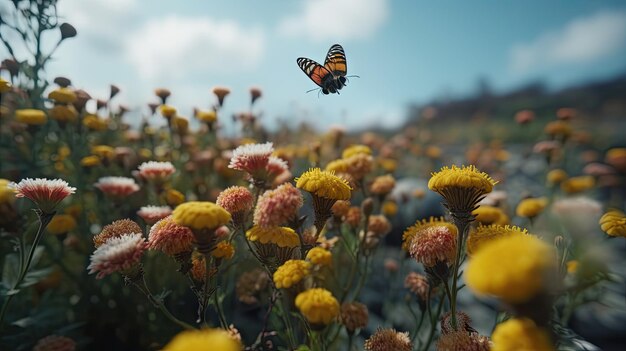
x,y
404,51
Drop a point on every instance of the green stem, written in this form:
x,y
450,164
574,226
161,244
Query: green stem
x,y
462,224
159,304
433,325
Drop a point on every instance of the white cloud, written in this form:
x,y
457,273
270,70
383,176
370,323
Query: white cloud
x,y
336,19
175,46
582,40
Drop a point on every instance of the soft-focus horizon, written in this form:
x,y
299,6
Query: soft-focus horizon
x,y
404,53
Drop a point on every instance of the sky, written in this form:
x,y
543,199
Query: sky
x,y
403,51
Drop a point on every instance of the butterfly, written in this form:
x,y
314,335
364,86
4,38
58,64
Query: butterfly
x,y
332,76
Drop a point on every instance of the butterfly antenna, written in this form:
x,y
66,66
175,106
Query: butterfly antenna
x,y
312,90
353,76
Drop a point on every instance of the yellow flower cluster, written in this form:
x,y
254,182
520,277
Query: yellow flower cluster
x,y
281,236
61,224
7,196
290,273
320,256
487,233
204,339
318,306
463,177
62,95
520,334
487,215
531,207
223,250
514,268
167,111
410,232
200,215
578,184
355,150
31,117
324,184
208,116
613,223
556,176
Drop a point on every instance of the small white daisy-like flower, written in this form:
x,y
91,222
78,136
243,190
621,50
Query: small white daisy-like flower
x,y
252,158
154,170
117,186
45,193
151,214
117,254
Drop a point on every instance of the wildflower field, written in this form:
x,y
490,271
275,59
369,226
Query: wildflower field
x,y
501,229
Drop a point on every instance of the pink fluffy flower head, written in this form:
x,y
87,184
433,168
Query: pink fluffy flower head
x,y
169,237
151,214
279,206
45,193
276,167
156,171
236,200
119,254
117,186
252,158
434,244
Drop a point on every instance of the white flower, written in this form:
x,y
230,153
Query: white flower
x,y
117,254
44,192
117,186
154,170
151,214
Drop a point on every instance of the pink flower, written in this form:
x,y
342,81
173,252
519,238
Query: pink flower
x,y
276,166
546,146
117,186
236,199
151,214
45,193
434,244
597,169
524,116
117,255
277,207
252,158
169,237
156,171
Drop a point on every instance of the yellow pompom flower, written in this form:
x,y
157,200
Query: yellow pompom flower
x,y
556,176
558,129
105,152
223,250
514,268
61,224
613,223
63,113
488,233
419,226
200,215
390,208
167,111
487,215
531,207
174,197
320,256
318,306
462,187
90,161
7,195
281,236
355,150
204,339
520,334
578,184
206,116
62,95
291,273
324,184
339,165
93,122
30,116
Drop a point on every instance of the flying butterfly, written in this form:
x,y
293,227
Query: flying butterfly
x,y
332,76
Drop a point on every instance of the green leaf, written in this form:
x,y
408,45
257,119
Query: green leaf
x,y
10,270
34,276
303,348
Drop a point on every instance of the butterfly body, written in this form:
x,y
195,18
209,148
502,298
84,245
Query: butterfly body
x,y
332,76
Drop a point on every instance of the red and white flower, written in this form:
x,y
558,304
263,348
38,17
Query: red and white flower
x,y
45,193
117,186
119,254
156,171
252,158
151,214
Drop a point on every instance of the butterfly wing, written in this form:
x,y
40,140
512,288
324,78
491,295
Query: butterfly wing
x,y
336,61
314,70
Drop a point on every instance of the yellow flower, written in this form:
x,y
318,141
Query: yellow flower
x,y
388,164
488,233
90,161
181,124
320,256
520,334
318,306
464,177
167,111
558,128
94,122
514,268
204,339
4,86
200,215
355,150
105,152
572,266
410,232
7,196
61,224
324,184
63,113
531,207
31,116
281,236
613,223
291,273
224,250
174,197
62,95
433,152
556,176
487,215
339,165
578,184
206,116
390,208
145,153
383,185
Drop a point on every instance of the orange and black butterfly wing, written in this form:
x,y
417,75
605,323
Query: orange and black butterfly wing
x,y
336,61
314,70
